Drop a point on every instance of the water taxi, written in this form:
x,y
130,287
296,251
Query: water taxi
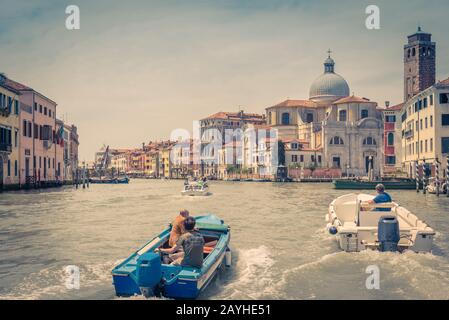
x,y
144,272
384,226
196,189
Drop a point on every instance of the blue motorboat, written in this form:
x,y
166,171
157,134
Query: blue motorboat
x,y
144,272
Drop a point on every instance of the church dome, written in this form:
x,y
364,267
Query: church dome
x,y
329,86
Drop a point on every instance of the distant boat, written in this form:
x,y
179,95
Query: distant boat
x,y
432,186
196,189
121,180
403,184
358,226
144,272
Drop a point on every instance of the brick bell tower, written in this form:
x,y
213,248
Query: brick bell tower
x,y
419,63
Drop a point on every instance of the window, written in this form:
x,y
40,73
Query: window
x,y
431,121
301,158
369,141
420,124
390,139
390,119
36,131
312,157
417,126
425,146
309,117
285,118
421,146
294,146
45,110
390,160
29,130
445,120
425,121
16,107
16,138
342,115
294,158
40,108
336,140
319,159
49,113
24,128
431,144
425,102
15,168
445,145
364,114
444,97
431,100
9,168
35,106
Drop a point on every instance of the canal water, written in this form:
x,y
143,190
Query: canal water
x,y
281,249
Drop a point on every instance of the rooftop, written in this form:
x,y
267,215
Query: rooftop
x,y
295,103
352,99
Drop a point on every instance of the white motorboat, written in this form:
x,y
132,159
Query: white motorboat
x,y
196,189
432,186
359,225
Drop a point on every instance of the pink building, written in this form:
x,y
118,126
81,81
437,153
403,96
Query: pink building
x,y
37,154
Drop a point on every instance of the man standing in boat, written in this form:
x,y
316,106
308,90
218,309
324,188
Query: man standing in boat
x,y
192,244
382,197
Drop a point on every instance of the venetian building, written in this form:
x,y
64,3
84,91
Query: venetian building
x,y
346,130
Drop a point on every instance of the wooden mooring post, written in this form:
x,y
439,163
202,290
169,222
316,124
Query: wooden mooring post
x,y
417,176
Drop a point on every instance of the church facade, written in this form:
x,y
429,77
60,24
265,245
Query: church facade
x,y
344,131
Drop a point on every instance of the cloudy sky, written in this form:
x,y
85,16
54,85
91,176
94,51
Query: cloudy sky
x,y
136,70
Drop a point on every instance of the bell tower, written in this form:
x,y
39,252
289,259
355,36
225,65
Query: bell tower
x,y
419,63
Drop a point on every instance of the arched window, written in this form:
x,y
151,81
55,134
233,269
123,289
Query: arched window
x,y
336,140
369,141
390,139
286,118
342,115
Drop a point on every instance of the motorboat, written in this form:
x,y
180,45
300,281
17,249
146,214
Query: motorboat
x,y
364,184
433,187
358,225
145,273
116,180
199,188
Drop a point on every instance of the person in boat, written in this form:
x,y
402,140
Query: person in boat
x,y
192,245
177,228
381,197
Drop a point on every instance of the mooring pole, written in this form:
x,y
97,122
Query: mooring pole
x,y
447,175
424,177
437,177
417,175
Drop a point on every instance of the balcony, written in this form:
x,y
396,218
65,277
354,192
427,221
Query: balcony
x,y
5,147
408,134
4,112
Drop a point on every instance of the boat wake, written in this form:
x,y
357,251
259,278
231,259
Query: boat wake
x,y
51,283
250,277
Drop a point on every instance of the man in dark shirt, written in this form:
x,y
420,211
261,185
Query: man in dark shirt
x,y
192,243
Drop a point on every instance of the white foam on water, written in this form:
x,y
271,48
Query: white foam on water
x,y
254,277
50,283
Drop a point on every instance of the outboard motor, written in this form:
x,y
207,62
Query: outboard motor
x,y
149,273
388,233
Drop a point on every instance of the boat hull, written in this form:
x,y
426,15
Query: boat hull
x,y
370,185
179,282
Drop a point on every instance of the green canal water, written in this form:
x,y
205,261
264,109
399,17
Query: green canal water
x,y
280,247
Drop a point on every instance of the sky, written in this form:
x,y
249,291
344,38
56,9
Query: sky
x,y
136,70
